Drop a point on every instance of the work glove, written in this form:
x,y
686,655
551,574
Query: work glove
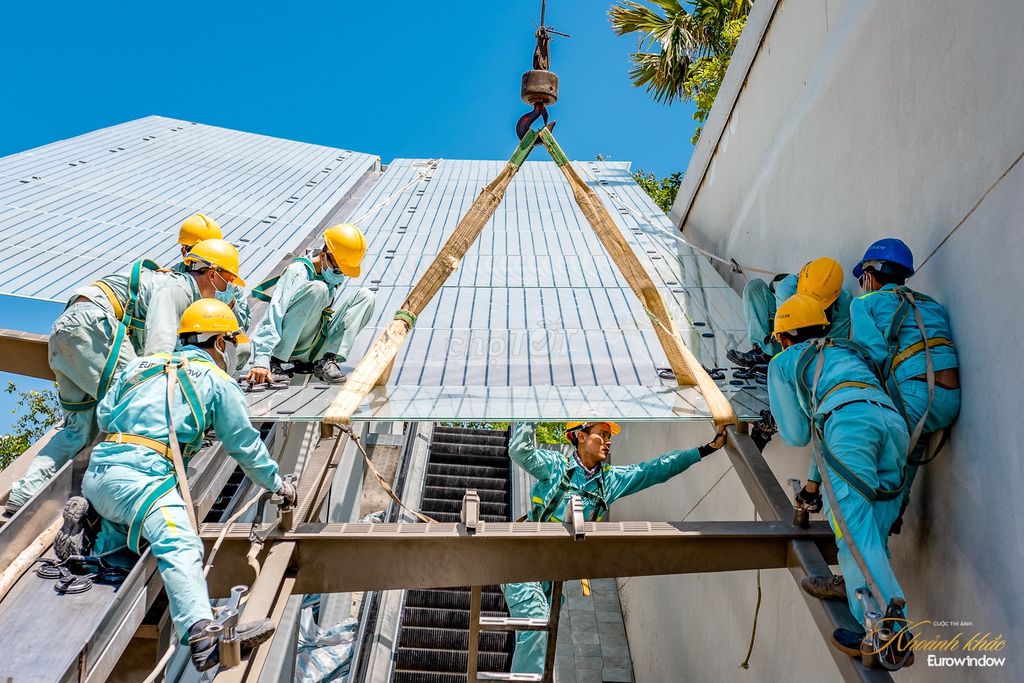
x,y
713,445
763,430
289,494
811,501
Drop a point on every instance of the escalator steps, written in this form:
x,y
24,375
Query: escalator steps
x,y
434,635
454,599
452,639
417,659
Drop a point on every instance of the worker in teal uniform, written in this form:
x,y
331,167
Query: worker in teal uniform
x,y
585,474
300,327
828,391
821,278
105,325
908,334
195,229
131,479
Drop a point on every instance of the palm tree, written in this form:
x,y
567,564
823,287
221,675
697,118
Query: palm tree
x,y
683,36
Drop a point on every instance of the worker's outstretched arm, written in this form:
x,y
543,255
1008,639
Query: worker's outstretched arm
x,y
794,423
162,318
865,329
624,480
241,441
268,332
522,448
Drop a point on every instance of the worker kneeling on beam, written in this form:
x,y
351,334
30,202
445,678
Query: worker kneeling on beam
x,y
827,391
908,334
132,483
195,229
300,327
104,327
821,278
584,474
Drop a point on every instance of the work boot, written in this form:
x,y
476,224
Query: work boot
x,y
748,359
847,641
277,372
327,369
825,587
74,537
205,651
302,367
254,633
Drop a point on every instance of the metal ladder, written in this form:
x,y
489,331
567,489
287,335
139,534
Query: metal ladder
x,y
478,624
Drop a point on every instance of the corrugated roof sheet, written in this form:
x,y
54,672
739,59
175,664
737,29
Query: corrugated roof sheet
x,y
537,321
85,207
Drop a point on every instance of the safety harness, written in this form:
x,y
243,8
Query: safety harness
x,y
545,511
128,319
875,622
262,293
810,401
897,356
175,368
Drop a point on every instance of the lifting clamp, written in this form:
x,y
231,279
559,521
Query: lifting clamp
x,y
223,629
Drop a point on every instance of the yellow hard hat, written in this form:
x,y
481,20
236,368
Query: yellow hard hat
x,y
210,316
347,246
218,254
577,426
199,227
797,312
821,278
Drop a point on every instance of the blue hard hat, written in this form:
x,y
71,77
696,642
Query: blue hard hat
x,y
890,250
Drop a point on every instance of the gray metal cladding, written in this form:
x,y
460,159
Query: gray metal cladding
x,y
77,209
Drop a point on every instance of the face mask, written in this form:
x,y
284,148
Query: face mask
x,y
217,289
227,359
225,297
331,277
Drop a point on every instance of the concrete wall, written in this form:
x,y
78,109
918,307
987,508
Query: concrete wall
x,y
697,627
861,119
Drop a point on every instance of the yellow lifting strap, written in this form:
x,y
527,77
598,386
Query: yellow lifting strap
x,y
375,366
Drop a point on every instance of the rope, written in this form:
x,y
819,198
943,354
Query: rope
x,y
745,664
380,478
733,265
971,212
171,369
431,164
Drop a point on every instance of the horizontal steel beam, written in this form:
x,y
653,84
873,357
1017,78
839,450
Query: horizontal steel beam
x,y
805,557
337,558
24,353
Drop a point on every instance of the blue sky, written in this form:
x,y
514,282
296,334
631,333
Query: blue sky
x,y
400,79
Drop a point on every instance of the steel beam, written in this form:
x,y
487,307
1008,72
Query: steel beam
x,y
360,557
24,353
805,558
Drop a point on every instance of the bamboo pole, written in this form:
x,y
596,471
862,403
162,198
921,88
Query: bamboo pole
x,y
13,572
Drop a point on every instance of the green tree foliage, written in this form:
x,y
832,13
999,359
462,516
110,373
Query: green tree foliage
x,y
705,75
662,190
547,432
694,40
39,410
